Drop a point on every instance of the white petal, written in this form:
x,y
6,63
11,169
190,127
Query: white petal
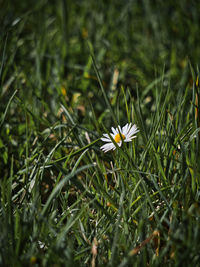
x,y
134,128
124,129
129,139
129,127
106,140
120,143
119,127
126,132
113,136
132,131
107,147
106,135
114,131
130,136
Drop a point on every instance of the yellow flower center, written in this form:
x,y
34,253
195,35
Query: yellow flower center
x,y
118,137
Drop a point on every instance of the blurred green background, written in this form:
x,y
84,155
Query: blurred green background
x,y
46,43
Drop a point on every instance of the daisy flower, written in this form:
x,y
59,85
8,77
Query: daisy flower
x,y
127,133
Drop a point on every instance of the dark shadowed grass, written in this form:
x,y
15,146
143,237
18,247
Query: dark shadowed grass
x,y
69,72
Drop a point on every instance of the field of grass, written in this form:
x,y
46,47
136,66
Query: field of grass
x,y
69,71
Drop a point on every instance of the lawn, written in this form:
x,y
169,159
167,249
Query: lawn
x,y
69,72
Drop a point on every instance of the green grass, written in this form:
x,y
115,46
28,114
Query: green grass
x,y
69,71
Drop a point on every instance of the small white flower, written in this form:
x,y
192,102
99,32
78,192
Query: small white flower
x,y
127,133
